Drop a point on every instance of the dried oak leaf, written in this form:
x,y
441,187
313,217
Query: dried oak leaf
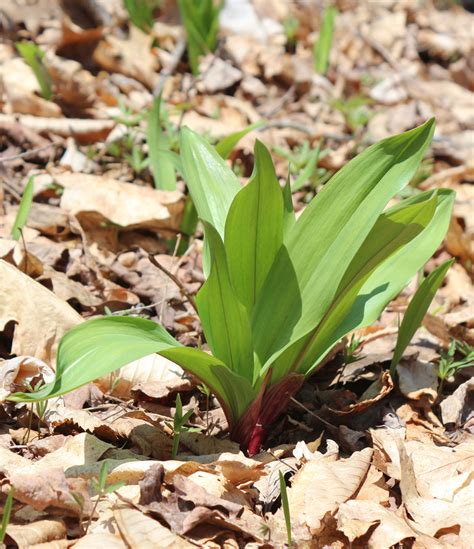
x,y
41,531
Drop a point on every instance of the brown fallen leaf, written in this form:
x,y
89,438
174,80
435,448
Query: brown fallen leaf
x,y
430,515
51,490
95,200
40,318
418,380
19,373
42,531
321,486
456,408
355,518
142,532
84,130
101,541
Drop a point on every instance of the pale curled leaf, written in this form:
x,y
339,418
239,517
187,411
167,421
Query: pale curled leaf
x,y
321,485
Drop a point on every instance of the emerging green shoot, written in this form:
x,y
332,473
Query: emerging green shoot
x,y
34,57
280,292
448,367
179,422
355,110
417,310
286,507
23,210
141,13
7,510
322,48
161,165
201,21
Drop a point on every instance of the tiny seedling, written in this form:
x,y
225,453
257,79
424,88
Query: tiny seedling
x,y
285,506
201,22
355,110
280,292
7,510
322,48
23,210
350,353
101,489
179,425
34,57
290,28
141,13
448,367
303,163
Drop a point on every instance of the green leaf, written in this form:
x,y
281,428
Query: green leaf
x,y
225,146
320,247
392,274
417,309
34,57
308,170
223,317
289,218
322,48
254,229
286,507
211,183
23,210
98,347
161,165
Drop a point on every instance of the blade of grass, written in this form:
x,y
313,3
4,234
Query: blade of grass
x,y
286,507
34,57
417,309
23,210
322,48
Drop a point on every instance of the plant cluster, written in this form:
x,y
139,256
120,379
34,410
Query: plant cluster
x,y
280,292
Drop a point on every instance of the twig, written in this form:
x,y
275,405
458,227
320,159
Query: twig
x,y
310,412
185,292
171,67
31,151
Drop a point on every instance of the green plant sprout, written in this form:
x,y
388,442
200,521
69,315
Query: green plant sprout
x,y
34,57
417,310
322,48
101,489
23,210
286,507
280,292
303,162
201,22
448,367
179,425
350,353
355,110
141,13
7,510
290,28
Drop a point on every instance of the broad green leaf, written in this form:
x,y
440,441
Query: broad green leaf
x,y
234,392
227,143
392,275
211,183
322,48
254,229
23,209
320,247
34,57
98,347
417,309
162,167
223,317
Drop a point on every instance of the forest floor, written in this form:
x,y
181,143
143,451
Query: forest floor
x,y
393,467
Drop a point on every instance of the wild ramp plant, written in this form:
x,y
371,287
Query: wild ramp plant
x,y
280,292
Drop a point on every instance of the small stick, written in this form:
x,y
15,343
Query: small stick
x,y
31,151
185,292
